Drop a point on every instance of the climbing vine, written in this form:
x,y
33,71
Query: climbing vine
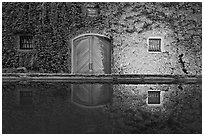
x,y
54,24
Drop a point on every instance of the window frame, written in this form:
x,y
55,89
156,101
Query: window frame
x,y
91,10
160,98
161,46
19,43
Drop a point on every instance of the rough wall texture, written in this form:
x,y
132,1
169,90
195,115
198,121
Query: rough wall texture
x,y
53,25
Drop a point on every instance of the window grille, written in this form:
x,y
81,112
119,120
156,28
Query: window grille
x,y
154,45
26,42
92,10
153,97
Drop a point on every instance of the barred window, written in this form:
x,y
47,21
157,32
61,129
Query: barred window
x,y
154,45
153,97
92,10
26,42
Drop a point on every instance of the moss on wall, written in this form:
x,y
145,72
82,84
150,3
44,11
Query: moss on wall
x,y
53,25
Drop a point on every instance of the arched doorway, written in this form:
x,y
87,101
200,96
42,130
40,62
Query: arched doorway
x,y
91,54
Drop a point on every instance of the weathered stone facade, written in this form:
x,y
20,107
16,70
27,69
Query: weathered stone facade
x,y
53,25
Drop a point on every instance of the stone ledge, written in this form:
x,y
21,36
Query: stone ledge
x,y
105,78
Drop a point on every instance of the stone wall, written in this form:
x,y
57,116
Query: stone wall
x,y
53,25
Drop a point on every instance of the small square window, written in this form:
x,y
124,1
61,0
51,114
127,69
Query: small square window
x,y
92,10
154,45
26,42
153,97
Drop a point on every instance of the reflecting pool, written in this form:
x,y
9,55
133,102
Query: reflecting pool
x,y
62,108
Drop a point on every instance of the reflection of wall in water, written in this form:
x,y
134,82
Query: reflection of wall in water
x,y
138,94
94,95
180,110
50,111
27,95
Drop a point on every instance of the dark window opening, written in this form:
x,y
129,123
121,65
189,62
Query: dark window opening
x,y
153,97
26,42
154,45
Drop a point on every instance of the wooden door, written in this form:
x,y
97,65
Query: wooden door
x,y
91,55
81,55
101,55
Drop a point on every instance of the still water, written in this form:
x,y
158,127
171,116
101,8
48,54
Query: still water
x,y
62,108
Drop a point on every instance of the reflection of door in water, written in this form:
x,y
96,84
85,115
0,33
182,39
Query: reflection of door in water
x,y
91,94
91,54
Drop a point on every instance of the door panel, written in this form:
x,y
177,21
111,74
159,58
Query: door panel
x,y
101,55
107,54
97,56
81,55
82,63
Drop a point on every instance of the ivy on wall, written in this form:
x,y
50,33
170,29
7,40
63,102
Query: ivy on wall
x,y
54,24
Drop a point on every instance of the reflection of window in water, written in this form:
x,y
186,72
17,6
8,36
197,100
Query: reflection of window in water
x,y
153,97
91,95
25,98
